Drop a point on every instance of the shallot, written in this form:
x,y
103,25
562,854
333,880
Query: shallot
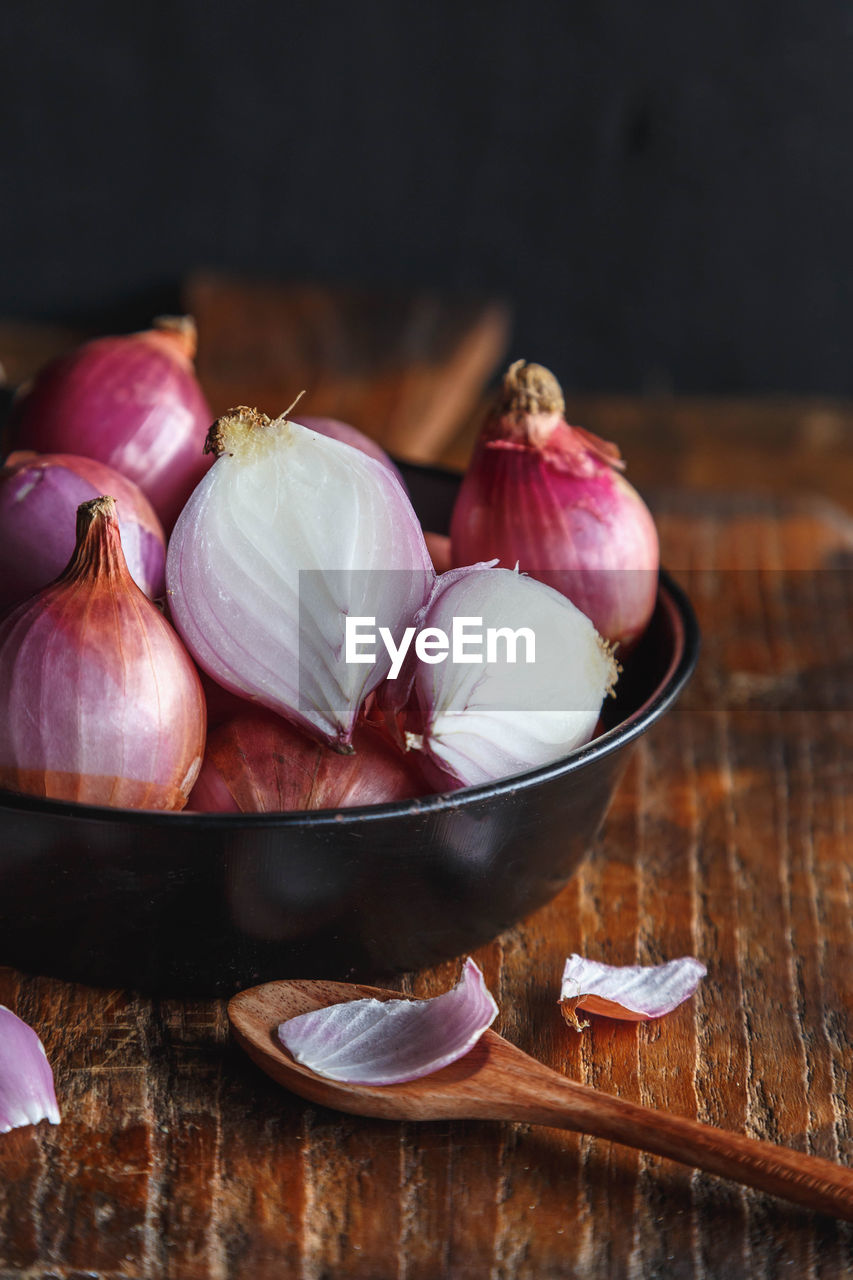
x,y
515,677
257,762
288,535
39,497
551,499
132,402
99,701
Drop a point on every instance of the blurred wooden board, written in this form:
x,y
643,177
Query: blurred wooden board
x,y
24,348
408,369
777,445
728,839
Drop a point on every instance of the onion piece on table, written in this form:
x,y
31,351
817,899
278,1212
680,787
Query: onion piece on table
x,y
380,1042
288,535
27,1092
130,401
256,762
99,701
632,993
550,498
39,497
479,721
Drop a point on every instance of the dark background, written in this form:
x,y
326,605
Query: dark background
x,y
663,190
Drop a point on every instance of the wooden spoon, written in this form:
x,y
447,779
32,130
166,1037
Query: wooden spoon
x,y
496,1081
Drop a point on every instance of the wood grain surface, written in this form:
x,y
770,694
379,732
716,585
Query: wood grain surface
x,y
730,839
406,368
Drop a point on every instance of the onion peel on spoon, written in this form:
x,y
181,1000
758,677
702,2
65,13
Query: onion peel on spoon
x,y
385,1042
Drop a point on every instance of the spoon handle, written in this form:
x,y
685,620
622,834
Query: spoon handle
x,y
817,1184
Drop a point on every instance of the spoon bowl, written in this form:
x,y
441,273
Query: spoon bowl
x,y
497,1081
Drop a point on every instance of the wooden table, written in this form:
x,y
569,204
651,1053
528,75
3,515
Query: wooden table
x,y
731,838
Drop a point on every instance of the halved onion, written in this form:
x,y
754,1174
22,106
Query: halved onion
x,y
287,535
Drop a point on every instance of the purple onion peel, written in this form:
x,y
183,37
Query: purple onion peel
x,y
379,1042
27,1093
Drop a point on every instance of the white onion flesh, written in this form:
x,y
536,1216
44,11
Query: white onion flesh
x,y
287,534
488,720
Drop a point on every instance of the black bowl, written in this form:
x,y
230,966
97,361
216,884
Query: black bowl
x,y
204,904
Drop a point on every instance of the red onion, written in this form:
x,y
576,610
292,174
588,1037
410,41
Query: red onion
x,y
629,992
99,702
342,431
258,763
27,1093
478,718
39,497
550,498
132,402
288,535
383,1042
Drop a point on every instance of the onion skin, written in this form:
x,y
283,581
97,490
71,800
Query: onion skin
x,y
99,701
257,762
550,498
27,1092
382,1042
39,497
132,402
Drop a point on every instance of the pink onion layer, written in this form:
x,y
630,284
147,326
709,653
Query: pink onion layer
x,y
39,497
629,992
27,1093
258,763
550,498
379,1042
132,402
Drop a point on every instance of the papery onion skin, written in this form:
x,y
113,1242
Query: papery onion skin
x,y
337,430
39,497
550,498
628,993
99,701
288,534
27,1092
478,723
386,1042
259,763
132,402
